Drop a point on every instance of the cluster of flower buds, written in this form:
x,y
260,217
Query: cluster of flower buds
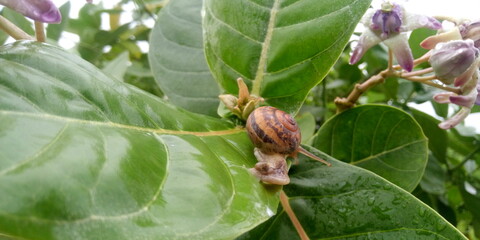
x,y
455,59
242,105
454,54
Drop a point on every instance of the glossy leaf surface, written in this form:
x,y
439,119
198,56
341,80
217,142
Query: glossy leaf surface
x,y
280,48
347,202
177,58
382,139
84,156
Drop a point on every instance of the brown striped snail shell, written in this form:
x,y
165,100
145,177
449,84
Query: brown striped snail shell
x,y
275,135
273,131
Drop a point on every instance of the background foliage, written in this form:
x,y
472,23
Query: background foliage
x,y
429,171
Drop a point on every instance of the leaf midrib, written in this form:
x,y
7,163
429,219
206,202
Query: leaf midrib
x,y
257,82
122,126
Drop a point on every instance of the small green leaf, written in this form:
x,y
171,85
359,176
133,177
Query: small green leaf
x,y
346,202
178,61
118,66
382,139
84,156
281,49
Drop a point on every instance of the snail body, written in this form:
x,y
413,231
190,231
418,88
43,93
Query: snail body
x,y
275,135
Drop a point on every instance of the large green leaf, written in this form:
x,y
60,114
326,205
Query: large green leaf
x,y
177,58
346,202
437,137
83,156
280,48
382,139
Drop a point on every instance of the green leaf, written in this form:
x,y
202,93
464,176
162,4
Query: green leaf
x,y
416,37
177,58
433,181
280,48
307,124
54,31
437,137
379,138
118,66
83,156
3,37
346,202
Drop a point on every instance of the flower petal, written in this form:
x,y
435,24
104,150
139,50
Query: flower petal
x,y
443,97
467,75
456,119
432,41
465,101
400,48
414,21
471,84
367,40
38,10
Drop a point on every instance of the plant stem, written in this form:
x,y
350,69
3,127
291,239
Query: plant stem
x,y
417,73
39,31
419,79
12,30
426,81
349,102
390,60
298,226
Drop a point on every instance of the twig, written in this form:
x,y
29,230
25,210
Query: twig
x,y
12,30
39,31
298,226
420,79
430,83
390,60
417,73
346,103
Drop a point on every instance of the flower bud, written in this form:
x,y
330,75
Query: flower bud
x,y
38,10
451,59
471,31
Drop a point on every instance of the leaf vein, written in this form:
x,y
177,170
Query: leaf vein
x,y
122,126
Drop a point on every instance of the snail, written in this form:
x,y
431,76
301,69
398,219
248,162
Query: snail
x,y
276,136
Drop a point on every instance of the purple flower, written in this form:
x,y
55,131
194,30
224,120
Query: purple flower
x,y
38,10
388,20
453,59
390,25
